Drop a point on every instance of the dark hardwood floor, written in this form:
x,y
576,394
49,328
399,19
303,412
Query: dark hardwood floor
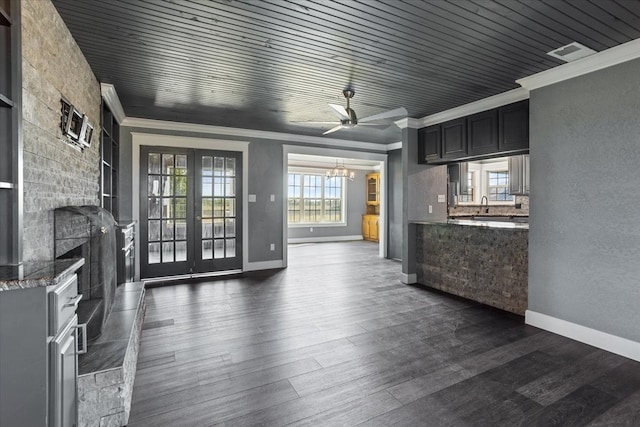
x,y
336,339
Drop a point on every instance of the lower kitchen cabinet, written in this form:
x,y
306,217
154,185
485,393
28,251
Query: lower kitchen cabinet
x,y
370,227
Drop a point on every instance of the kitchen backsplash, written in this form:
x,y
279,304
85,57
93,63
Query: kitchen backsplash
x,y
469,210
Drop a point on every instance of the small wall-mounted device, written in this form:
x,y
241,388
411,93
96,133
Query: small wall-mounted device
x,y
75,126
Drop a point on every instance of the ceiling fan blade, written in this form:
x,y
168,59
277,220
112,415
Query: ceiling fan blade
x,y
342,113
398,112
333,129
373,124
315,123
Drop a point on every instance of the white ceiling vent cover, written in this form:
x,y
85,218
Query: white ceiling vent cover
x,y
571,52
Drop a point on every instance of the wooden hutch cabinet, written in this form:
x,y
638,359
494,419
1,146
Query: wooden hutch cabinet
x,y
370,226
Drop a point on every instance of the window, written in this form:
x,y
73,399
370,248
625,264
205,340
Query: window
x,y
468,198
313,198
498,188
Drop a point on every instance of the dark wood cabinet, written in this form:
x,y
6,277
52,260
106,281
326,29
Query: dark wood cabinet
x,y
454,139
513,120
482,133
429,144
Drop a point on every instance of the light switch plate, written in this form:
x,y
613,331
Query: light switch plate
x,y
442,198
272,197
252,198
430,209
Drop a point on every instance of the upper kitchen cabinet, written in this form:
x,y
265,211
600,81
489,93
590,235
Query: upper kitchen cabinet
x,y
482,133
429,147
373,189
513,123
454,139
519,175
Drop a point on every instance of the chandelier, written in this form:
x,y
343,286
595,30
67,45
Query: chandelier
x,y
340,172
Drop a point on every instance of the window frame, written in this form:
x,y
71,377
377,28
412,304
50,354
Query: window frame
x,y
323,200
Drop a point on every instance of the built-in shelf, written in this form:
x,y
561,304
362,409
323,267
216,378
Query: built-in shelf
x,y
5,19
6,185
5,102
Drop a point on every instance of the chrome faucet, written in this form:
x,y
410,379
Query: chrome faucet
x,y
485,199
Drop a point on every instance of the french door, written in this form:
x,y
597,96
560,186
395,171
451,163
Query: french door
x,y
190,211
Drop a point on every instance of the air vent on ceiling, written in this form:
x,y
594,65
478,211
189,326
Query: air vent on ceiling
x,y
571,52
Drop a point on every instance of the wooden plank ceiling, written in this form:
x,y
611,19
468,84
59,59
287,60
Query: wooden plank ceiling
x,y
264,64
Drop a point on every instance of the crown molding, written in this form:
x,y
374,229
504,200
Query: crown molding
x,y
479,106
251,133
607,58
394,146
408,122
113,102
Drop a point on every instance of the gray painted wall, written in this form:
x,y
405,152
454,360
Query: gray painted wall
x,y
584,248
394,205
356,206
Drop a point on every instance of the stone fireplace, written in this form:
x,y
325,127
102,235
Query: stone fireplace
x,y
90,232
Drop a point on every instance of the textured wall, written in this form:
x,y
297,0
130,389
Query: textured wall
x,y
394,206
356,206
488,265
55,174
584,247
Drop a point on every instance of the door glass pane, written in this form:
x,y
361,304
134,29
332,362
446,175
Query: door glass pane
x,y
230,208
154,185
154,231
230,187
218,208
207,228
207,186
154,163
154,207
180,185
167,186
218,228
167,252
181,251
154,253
180,207
218,166
231,248
218,249
207,250
167,208
167,230
207,211
167,164
181,229
230,227
231,166
181,164
218,187
207,166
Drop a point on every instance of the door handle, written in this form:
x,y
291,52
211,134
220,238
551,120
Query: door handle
x,y
198,218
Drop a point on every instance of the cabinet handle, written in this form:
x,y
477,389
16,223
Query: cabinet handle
x,y
73,302
82,331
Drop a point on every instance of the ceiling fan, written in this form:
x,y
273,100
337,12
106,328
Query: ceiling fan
x,y
348,118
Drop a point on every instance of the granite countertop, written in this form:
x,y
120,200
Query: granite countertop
x,y
477,223
36,274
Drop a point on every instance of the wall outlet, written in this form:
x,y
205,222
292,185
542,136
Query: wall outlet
x,y
272,247
310,229
430,209
272,197
252,198
442,198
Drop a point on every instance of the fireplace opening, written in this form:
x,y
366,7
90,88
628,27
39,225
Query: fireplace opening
x,y
89,232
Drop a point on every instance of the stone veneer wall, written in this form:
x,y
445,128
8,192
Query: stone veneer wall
x,y
55,174
488,265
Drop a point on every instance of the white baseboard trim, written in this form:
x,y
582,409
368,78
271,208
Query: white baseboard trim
x,y
408,279
264,265
603,340
324,239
